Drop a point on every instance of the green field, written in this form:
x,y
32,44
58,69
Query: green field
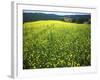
x,y
52,44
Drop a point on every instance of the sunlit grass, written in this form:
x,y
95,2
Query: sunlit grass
x,y
51,43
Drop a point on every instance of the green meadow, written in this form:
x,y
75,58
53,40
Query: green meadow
x,y
54,44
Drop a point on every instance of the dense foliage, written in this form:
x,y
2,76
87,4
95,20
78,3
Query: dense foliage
x,y
30,17
50,44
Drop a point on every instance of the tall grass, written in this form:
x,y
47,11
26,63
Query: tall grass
x,y
51,44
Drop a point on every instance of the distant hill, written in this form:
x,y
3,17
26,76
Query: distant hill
x,y
29,17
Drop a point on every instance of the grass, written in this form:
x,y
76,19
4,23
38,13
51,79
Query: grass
x,y
51,44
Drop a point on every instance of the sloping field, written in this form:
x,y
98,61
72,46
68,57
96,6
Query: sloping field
x,y
51,43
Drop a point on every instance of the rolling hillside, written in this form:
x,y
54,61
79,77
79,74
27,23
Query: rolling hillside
x,y
54,43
